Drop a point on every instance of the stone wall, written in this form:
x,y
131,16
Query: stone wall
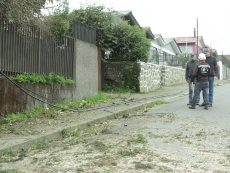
x,y
172,75
225,72
150,77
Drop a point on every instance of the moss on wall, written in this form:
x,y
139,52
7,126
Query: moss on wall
x,y
122,74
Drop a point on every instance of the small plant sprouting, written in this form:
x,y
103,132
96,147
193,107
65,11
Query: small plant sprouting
x,y
67,133
140,139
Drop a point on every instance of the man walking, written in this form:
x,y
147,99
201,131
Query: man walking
x,y
188,73
201,72
211,60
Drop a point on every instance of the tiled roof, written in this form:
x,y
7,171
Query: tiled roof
x,y
189,39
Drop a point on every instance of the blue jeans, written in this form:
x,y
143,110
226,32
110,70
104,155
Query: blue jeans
x,y
190,97
211,89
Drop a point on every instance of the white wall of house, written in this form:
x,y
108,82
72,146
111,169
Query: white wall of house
x,y
169,49
220,69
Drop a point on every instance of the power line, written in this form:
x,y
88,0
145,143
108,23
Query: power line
x,y
32,95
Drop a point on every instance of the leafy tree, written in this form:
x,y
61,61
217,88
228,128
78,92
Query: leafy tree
x,y
58,20
98,17
22,11
125,42
215,53
130,43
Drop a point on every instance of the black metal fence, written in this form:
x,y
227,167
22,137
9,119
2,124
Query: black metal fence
x,y
162,58
84,32
29,49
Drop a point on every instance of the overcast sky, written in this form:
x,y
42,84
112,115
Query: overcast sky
x,y
178,18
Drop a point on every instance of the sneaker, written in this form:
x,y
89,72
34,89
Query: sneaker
x,y
202,104
206,107
192,107
189,104
210,105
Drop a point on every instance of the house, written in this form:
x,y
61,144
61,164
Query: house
x,y
164,51
128,16
189,44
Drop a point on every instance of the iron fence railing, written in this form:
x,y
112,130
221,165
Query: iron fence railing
x,y
31,50
84,32
163,58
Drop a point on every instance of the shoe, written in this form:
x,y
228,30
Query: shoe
x,y
210,105
189,104
192,107
202,104
206,107
197,103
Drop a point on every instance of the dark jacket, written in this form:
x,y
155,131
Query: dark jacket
x,y
213,65
189,68
201,72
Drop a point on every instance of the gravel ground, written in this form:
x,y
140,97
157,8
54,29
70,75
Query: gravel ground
x,y
145,142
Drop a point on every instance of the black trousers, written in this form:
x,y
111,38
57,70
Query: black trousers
x,y
201,86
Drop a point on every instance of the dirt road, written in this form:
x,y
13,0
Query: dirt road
x,y
166,138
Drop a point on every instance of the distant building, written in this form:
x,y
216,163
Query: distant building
x,y
189,44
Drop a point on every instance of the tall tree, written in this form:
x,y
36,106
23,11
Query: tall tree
x,y
98,17
22,11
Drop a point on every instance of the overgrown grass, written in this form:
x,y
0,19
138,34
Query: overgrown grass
x,y
12,156
43,112
117,89
29,114
44,79
100,97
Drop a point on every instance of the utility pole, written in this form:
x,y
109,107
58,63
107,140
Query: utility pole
x,y
186,49
197,37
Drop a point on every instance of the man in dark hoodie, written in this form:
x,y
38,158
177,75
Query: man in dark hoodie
x,y
188,73
211,60
201,73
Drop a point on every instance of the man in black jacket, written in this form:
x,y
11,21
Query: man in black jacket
x,y
201,73
211,60
188,73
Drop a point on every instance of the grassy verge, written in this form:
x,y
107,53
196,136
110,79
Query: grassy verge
x,y
43,112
